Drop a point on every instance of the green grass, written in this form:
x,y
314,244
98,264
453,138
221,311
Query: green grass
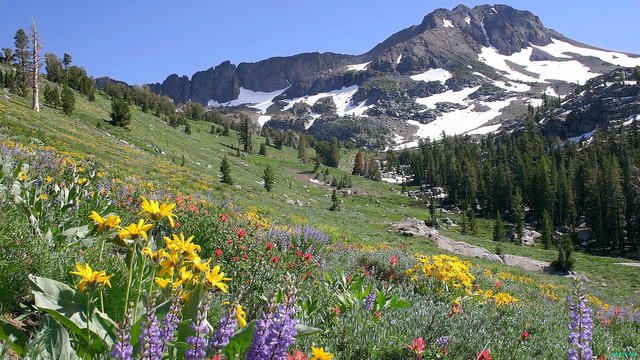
x,y
153,151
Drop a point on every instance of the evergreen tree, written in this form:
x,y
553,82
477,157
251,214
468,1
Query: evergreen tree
x,y
120,112
225,129
302,149
187,128
547,230
268,177
498,228
66,60
565,260
432,213
225,169
517,213
53,66
358,165
335,202
7,56
263,149
21,58
68,100
244,136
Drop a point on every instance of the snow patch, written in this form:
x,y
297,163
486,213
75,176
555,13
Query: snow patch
x,y
467,20
342,99
561,49
314,117
447,23
399,59
456,97
485,130
457,122
440,75
631,119
509,86
551,92
358,67
263,119
586,136
255,99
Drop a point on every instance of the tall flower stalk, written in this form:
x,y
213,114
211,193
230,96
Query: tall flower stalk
x,y
274,333
580,326
198,344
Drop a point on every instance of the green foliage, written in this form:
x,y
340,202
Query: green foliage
x,y
547,230
268,177
225,170
187,128
263,149
565,260
328,153
336,204
244,135
52,96
68,101
358,165
302,149
498,228
517,213
120,113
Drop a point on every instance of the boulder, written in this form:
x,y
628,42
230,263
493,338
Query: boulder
x,y
414,227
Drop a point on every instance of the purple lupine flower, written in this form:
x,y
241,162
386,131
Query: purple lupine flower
x,y
225,328
170,323
151,343
122,349
442,341
198,345
580,327
274,333
369,300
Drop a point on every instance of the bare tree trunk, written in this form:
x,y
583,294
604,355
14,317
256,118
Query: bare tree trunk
x,y
36,65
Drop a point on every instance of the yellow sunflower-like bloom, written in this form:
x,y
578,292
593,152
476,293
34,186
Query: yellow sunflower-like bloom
x,y
182,246
82,181
184,277
168,264
199,266
217,279
111,221
241,316
320,354
162,282
88,277
134,231
158,211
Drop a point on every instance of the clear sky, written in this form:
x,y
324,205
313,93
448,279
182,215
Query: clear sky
x,y
144,41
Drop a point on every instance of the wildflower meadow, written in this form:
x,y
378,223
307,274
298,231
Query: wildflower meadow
x,y
98,267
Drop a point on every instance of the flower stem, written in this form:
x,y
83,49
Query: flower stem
x,y
126,299
101,249
88,316
135,305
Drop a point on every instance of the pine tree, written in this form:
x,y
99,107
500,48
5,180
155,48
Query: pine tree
x,y
7,55
225,169
268,177
263,149
120,112
517,213
565,260
21,57
335,202
225,129
547,230
358,165
244,136
498,228
302,149
187,128
68,100
432,213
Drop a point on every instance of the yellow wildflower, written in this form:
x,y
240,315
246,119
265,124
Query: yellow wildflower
x,y
22,175
241,316
320,354
184,277
82,181
216,278
44,196
134,231
199,266
162,282
182,246
90,277
49,179
111,221
503,298
168,264
158,211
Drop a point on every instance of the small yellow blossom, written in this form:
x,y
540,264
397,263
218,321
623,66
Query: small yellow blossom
x,y
90,277
241,316
182,246
23,175
82,181
44,196
168,264
49,179
111,221
158,211
134,231
320,354
216,278
199,266
162,282
184,277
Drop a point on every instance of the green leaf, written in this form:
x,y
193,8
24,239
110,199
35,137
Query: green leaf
x,y
20,338
67,306
306,330
239,343
57,341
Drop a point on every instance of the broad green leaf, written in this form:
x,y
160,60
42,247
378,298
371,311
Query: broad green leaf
x,y
306,330
57,341
239,343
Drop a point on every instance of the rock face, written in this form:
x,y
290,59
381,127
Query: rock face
x,y
419,47
414,227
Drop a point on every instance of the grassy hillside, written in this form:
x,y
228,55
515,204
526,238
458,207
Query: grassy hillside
x,y
154,151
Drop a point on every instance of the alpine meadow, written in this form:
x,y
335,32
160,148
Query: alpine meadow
x,y
468,188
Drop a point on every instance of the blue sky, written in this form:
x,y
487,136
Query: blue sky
x,y
144,41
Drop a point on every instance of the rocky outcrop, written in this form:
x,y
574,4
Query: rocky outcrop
x,y
225,83
202,89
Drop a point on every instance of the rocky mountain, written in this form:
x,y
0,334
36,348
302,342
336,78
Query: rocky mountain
x,y
465,70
